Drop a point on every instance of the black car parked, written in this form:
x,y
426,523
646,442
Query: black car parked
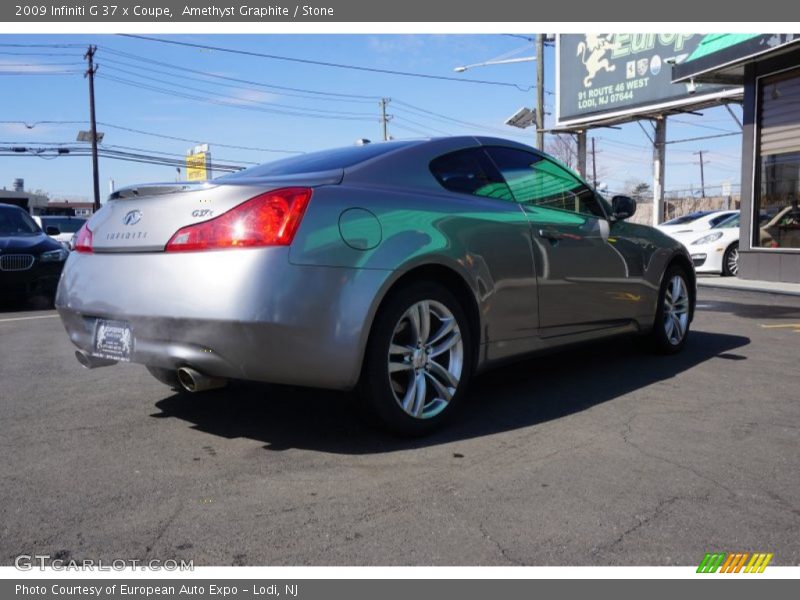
x,y
30,260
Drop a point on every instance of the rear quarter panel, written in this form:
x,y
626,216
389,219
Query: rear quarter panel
x,y
487,242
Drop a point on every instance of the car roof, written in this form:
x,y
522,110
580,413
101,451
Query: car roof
x,y
5,206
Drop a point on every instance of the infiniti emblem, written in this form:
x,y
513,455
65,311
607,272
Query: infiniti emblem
x,y
132,217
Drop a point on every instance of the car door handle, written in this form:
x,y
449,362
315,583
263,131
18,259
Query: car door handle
x,y
551,234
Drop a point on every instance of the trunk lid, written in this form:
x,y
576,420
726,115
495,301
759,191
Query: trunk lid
x,y
144,218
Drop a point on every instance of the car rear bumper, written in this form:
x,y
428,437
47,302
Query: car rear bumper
x,y
245,314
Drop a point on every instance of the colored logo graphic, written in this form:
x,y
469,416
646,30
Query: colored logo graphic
x,y
734,562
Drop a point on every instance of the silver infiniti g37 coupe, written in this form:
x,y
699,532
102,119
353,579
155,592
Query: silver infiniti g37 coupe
x,y
398,268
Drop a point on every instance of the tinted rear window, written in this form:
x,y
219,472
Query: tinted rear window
x,y
313,162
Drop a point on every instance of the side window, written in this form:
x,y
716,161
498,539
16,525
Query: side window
x,y
717,220
537,181
470,172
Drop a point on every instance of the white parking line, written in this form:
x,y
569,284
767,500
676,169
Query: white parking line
x,y
28,318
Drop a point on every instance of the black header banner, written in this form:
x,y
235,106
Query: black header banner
x,y
463,11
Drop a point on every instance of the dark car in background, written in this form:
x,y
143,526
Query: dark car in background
x,y
30,260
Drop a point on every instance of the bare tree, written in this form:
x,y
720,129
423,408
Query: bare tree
x,y
638,189
564,147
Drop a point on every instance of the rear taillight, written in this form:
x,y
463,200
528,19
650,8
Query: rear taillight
x,y
83,239
270,219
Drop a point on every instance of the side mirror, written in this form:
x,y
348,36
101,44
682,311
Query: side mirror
x,y
50,230
622,207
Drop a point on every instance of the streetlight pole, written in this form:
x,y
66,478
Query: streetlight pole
x,y
539,58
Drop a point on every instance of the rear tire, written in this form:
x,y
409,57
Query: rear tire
x,y
418,361
730,261
673,313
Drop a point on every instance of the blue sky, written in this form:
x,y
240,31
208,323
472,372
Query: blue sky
x,y
623,155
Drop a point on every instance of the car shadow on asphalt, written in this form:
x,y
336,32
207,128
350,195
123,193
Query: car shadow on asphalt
x,y
518,395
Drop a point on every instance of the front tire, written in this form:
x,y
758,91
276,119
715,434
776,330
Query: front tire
x,y
730,261
673,314
419,360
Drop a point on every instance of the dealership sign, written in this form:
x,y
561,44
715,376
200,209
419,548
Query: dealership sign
x,y
198,167
616,75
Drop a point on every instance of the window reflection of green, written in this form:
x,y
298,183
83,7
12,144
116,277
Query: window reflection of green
x,y
544,183
499,191
548,186
422,226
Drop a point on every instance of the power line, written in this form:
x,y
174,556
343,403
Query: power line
x,y
700,125
418,124
195,141
40,64
238,79
231,104
237,100
423,112
325,63
415,110
704,137
42,46
209,77
149,133
14,53
12,73
181,157
412,130
110,154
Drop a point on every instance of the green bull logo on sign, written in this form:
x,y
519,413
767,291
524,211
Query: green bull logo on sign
x,y
602,75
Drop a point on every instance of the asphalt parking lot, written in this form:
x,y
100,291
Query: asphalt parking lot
x,y
601,456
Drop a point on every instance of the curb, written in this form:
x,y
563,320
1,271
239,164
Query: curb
x,y
755,286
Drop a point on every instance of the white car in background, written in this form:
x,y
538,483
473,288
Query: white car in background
x,y
694,222
714,250
65,225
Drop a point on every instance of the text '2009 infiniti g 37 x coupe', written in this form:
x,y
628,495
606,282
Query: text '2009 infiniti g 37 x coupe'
x,y
398,268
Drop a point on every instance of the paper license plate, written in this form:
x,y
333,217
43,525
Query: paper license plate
x,y
113,340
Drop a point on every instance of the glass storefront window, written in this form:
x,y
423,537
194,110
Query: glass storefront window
x,y
778,161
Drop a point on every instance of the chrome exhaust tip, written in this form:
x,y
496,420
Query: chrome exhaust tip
x,y
194,381
92,362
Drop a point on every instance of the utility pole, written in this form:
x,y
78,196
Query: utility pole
x,y
89,56
659,163
540,91
581,141
594,167
385,118
702,173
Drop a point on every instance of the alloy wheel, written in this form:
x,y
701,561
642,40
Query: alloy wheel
x,y
425,360
676,310
732,261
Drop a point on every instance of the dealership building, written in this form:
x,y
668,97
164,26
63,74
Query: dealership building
x,y
768,68
604,80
